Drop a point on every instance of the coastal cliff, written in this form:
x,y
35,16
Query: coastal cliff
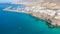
x,y
47,11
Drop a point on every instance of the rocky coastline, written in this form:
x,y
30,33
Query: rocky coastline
x,y
50,12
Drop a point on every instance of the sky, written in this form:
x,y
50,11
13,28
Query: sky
x,y
3,1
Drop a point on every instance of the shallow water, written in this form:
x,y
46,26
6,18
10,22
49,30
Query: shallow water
x,y
20,23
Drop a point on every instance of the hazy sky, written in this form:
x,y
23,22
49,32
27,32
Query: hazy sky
x,y
1,1
16,0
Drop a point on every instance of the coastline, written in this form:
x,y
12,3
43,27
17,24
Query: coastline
x,y
42,12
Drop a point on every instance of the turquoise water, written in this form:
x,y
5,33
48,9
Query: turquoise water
x,y
20,23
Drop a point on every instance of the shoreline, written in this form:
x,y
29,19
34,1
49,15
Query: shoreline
x,y
41,12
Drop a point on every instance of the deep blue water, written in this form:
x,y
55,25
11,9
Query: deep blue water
x,y
20,23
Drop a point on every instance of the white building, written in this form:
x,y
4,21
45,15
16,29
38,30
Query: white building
x,y
42,10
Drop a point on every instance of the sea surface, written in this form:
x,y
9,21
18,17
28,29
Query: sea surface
x,y
20,23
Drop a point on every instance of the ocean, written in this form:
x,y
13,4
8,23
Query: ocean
x,y
21,23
